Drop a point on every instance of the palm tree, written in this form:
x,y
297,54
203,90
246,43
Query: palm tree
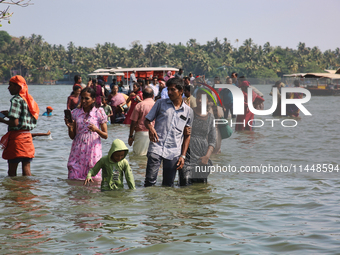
x,y
122,58
226,46
136,53
192,43
151,52
267,48
236,41
248,44
162,53
329,59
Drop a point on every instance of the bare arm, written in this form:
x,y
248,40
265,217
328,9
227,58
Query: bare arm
x,y
129,98
132,129
139,99
152,132
203,77
205,158
111,113
41,134
11,122
185,146
102,132
68,103
186,140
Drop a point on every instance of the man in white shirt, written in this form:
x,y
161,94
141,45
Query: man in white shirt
x,y
155,87
192,78
132,79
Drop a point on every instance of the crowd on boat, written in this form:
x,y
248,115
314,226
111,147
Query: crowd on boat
x,y
168,124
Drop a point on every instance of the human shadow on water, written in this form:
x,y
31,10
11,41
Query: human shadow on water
x,y
21,212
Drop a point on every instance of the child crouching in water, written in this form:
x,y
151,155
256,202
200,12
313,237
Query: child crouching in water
x,y
113,166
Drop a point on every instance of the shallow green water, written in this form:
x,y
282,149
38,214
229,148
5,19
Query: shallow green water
x,y
236,213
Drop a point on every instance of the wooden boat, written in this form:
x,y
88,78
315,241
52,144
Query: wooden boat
x,y
319,84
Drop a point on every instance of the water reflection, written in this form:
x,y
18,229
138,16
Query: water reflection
x,y
243,213
22,212
248,138
185,208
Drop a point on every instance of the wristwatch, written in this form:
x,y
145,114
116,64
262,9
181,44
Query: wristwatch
x,y
182,156
130,136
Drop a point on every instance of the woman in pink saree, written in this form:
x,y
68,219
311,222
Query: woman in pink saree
x,y
116,100
248,116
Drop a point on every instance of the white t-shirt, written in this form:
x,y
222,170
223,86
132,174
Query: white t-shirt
x,y
155,89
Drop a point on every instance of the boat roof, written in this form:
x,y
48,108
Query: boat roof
x,y
142,69
315,75
295,75
330,71
323,75
102,70
106,74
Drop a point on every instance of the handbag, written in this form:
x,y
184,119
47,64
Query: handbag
x,y
225,130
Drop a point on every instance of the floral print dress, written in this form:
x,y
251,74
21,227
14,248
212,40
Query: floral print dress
x,y
86,147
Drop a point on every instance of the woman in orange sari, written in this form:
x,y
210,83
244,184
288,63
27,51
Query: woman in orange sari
x,y
248,116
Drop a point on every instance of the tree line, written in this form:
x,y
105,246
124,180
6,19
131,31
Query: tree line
x,y
39,61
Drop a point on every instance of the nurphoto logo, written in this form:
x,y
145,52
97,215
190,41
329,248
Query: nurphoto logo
x,y
238,105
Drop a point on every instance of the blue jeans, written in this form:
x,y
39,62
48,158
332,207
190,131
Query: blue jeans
x,y
152,167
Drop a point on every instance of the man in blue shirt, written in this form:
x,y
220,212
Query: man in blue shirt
x,y
170,137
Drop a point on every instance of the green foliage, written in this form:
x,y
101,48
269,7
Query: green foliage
x,y
39,61
4,38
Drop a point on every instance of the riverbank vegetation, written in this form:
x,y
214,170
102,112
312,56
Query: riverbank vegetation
x,y
40,62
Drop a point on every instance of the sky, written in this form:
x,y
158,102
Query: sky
x,y
86,23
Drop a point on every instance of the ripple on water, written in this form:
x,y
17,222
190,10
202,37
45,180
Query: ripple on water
x,y
236,213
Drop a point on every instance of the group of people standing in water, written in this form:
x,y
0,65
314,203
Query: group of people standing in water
x,y
168,125
170,128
